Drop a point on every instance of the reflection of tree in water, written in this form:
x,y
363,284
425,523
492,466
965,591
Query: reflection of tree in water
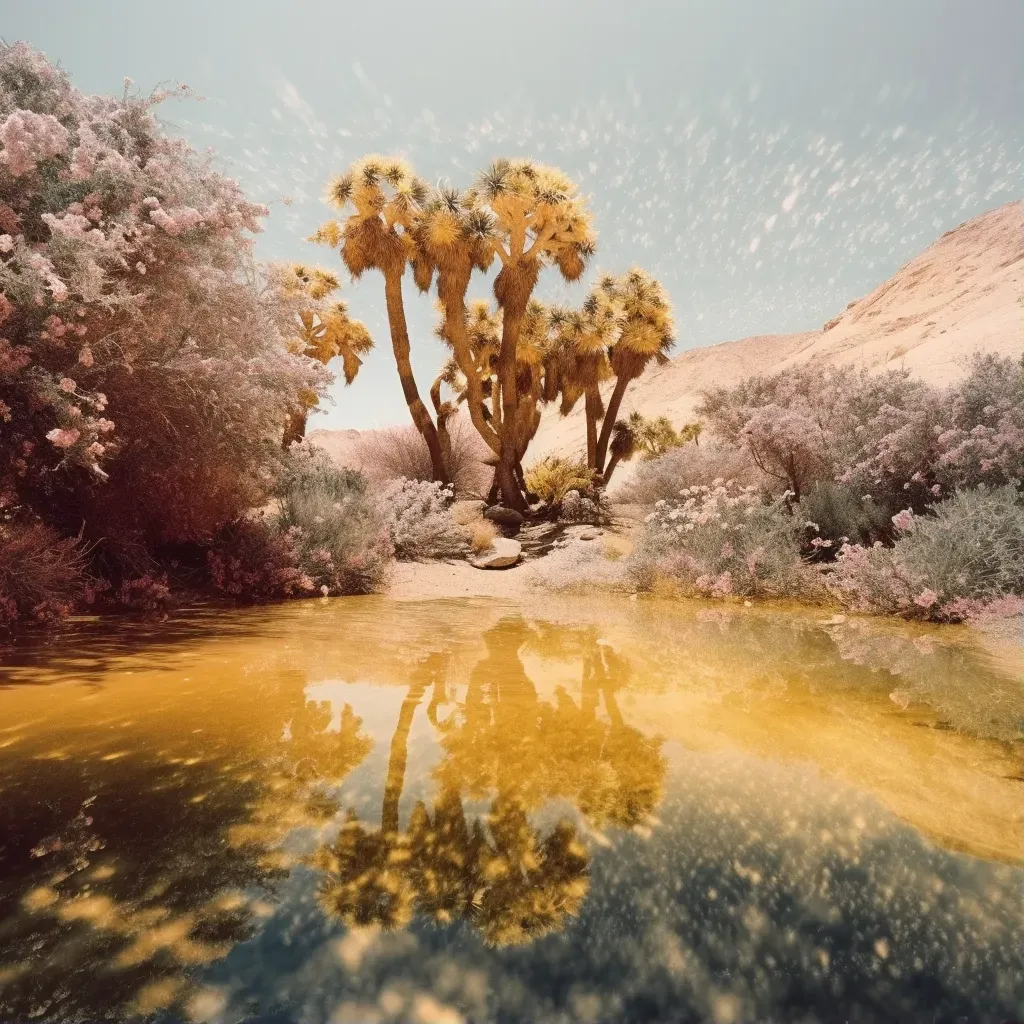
x,y
502,743
109,900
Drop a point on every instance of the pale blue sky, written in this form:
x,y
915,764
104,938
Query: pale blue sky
x,y
769,160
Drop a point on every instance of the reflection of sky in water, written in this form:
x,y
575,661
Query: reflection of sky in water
x,y
659,812
742,902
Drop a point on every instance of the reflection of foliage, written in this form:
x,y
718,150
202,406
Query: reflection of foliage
x,y
531,885
510,882
504,744
367,879
131,889
506,738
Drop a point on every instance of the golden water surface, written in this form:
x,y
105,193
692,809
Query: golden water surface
x,y
453,811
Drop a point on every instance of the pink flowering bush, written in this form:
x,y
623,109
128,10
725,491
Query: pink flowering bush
x,y
963,558
146,366
887,435
722,540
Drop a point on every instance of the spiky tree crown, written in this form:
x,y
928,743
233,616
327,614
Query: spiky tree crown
x,y
537,215
647,324
388,202
325,330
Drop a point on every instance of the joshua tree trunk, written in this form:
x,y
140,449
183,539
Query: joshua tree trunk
x,y
593,404
443,437
610,415
452,291
400,342
511,492
612,463
400,756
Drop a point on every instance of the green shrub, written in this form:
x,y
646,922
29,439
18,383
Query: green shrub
x,y
722,541
325,537
961,558
840,515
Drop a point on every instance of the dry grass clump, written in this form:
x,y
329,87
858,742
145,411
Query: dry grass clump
x,y
42,575
394,453
553,477
580,567
481,534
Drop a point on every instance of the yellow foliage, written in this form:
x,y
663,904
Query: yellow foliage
x,y
553,477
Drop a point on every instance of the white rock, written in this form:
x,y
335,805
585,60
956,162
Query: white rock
x,y
502,553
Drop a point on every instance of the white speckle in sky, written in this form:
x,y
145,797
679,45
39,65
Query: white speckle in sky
x,y
755,242
789,202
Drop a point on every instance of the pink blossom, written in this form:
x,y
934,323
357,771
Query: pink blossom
x,y
6,243
85,356
28,138
63,438
926,598
903,520
67,385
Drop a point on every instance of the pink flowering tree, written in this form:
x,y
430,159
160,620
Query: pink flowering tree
x,y
145,366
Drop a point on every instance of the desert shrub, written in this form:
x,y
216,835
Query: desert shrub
x,y
664,477
395,453
965,554
721,541
837,514
325,537
579,566
42,575
553,477
481,535
417,514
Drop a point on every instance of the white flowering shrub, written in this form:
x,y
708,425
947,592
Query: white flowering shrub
x,y
419,519
722,540
962,559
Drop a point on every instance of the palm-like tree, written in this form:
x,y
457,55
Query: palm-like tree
x,y
324,331
536,220
585,337
646,334
624,445
453,237
388,202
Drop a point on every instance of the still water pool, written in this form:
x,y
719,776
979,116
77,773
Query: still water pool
x,y
469,811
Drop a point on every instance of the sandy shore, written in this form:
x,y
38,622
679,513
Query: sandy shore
x,y
419,581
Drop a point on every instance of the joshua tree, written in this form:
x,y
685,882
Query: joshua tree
x,y
645,334
325,331
624,445
536,219
388,202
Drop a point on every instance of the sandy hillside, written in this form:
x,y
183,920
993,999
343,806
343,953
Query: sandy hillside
x,y
962,294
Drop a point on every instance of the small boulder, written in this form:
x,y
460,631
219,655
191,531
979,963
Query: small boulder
x,y
502,553
504,516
